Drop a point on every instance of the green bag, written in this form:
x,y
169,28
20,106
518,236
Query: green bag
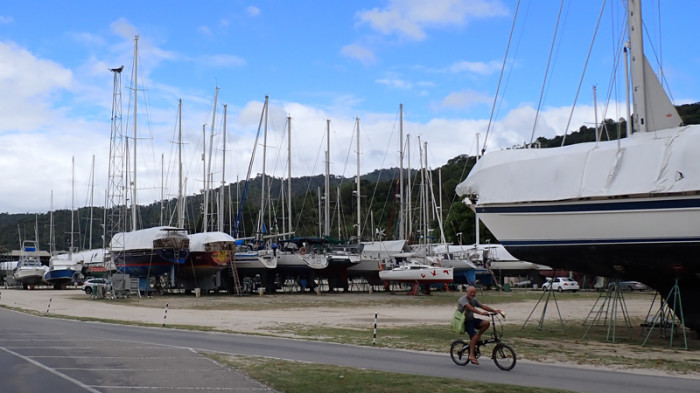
x,y
458,319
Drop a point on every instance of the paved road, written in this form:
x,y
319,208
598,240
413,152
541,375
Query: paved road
x,y
74,356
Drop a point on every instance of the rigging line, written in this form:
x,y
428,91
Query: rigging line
x,y
308,184
546,72
585,67
658,58
500,77
613,86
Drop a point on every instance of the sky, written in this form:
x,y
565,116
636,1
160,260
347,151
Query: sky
x,y
318,61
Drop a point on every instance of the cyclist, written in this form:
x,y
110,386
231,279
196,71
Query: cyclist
x,y
469,303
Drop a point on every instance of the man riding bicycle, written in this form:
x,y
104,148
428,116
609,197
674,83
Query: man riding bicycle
x,y
469,303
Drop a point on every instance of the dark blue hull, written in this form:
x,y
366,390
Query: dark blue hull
x,y
59,276
149,263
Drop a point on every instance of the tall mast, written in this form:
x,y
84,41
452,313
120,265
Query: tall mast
x,y
289,172
92,194
359,196
223,179
476,215
52,233
72,205
133,188
409,210
204,178
211,147
261,221
637,48
327,200
401,207
180,199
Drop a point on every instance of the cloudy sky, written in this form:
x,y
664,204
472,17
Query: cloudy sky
x,y
317,61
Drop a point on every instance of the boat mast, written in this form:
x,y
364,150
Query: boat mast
x,y
133,188
359,197
401,207
223,179
72,205
92,195
261,219
204,178
180,199
52,232
289,172
634,15
476,215
207,164
327,191
409,210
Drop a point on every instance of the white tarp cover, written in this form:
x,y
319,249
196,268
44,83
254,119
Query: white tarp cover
x,y
384,248
198,240
142,239
654,162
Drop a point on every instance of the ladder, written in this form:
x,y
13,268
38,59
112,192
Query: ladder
x,y
234,272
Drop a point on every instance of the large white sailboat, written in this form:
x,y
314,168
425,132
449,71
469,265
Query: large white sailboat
x,y
627,208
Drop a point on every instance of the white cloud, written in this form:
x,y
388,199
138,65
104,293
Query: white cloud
x,y
472,67
410,18
5,20
252,10
224,61
124,29
204,30
33,82
464,99
359,53
395,83
88,39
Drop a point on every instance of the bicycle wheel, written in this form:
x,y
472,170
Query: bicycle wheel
x,y
504,357
459,352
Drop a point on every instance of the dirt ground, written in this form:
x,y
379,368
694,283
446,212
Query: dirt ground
x,y
348,310
253,314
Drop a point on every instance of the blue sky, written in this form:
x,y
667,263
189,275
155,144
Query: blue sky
x,y
316,60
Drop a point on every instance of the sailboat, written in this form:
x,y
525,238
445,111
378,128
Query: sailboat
x,y
62,267
150,252
627,208
210,252
29,270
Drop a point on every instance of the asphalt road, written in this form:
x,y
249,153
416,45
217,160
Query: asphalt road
x,y
71,356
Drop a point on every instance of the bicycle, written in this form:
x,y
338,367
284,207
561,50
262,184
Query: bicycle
x,y
503,355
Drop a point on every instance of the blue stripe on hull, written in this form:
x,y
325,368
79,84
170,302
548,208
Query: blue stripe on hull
x,y
595,206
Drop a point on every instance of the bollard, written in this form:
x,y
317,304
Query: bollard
x,y
374,338
166,314
47,308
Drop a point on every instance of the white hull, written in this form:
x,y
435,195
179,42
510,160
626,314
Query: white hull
x,y
30,275
314,261
422,275
624,221
256,260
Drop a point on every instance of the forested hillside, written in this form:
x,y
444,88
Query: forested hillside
x,y
379,205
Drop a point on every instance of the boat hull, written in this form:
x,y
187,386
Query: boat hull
x,y
60,276
652,240
148,263
436,275
30,275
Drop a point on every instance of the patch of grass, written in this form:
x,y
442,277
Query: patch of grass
x,y
299,377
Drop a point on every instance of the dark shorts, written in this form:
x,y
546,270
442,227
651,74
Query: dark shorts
x,y
470,326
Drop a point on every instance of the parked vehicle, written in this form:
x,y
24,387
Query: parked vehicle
x,y
632,286
561,284
94,282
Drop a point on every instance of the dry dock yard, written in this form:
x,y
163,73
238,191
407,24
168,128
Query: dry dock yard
x,y
410,322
